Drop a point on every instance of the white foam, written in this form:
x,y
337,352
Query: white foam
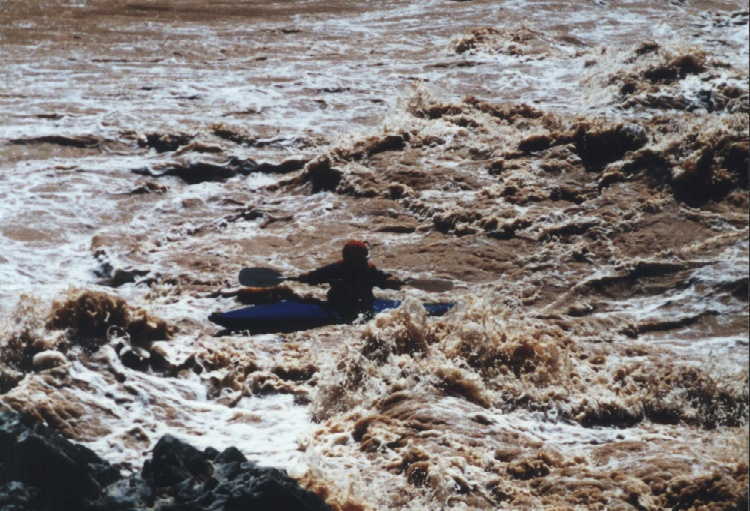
x,y
265,429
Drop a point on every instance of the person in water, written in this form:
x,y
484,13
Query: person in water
x,y
352,280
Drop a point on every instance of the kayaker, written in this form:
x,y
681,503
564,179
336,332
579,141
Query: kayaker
x,y
352,280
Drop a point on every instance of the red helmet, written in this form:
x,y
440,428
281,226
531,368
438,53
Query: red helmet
x,y
355,251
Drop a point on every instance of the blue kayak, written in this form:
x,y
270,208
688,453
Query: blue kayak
x,y
290,316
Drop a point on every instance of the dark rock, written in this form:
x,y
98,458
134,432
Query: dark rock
x,y
322,176
737,161
82,141
148,187
676,69
115,277
194,172
233,135
496,167
629,87
388,143
659,326
124,276
397,191
371,146
712,173
51,117
174,461
284,167
230,455
598,147
646,47
164,142
535,143
247,214
397,229
42,471
210,480
16,496
243,166
295,373
568,193
610,415
134,357
200,172
569,229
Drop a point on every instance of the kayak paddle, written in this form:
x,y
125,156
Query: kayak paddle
x,y
431,285
266,277
261,277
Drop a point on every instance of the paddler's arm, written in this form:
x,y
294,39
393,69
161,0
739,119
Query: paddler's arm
x,y
387,281
322,275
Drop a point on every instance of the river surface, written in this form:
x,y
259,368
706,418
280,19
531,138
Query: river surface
x,y
578,170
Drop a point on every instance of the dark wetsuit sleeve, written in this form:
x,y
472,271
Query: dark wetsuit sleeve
x,y
385,280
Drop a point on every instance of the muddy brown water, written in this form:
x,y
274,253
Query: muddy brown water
x,y
578,169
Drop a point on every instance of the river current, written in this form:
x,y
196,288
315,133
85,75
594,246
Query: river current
x,y
578,170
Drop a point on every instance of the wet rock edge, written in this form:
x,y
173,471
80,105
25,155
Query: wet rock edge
x,y
41,470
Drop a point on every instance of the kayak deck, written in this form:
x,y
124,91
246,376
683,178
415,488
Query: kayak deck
x,y
290,316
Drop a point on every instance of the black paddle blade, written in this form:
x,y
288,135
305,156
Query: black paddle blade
x,y
260,277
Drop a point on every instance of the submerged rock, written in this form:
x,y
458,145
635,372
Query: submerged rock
x,y
318,175
284,167
43,471
599,145
109,275
164,142
196,172
79,141
199,172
